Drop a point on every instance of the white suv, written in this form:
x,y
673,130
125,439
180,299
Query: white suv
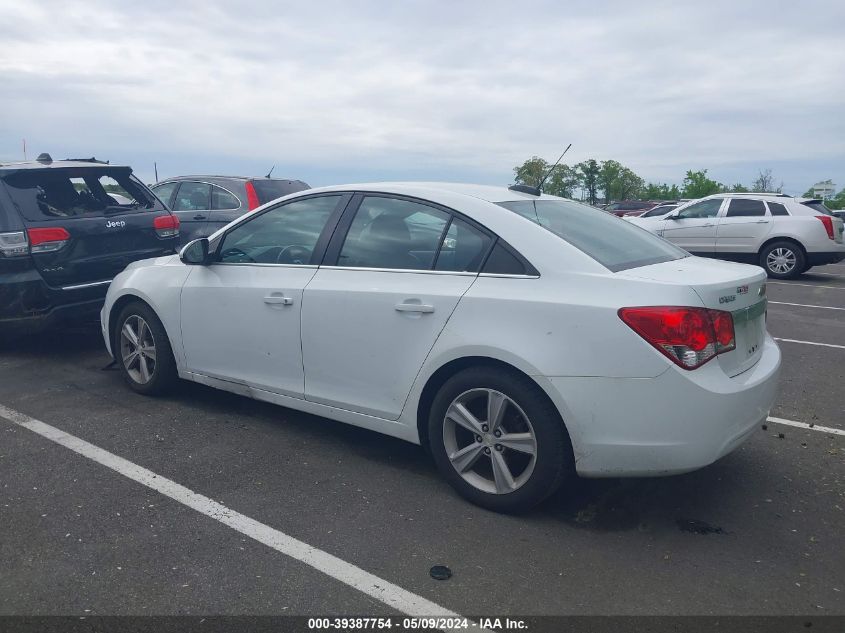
x,y
785,235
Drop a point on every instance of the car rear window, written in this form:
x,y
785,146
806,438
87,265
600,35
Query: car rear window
x,y
48,194
268,189
818,205
611,241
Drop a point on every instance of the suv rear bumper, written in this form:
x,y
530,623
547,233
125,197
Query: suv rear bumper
x,y
820,259
29,305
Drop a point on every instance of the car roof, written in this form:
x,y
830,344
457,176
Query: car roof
x,y
214,177
429,190
59,164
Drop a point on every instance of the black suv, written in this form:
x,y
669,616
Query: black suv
x,y
67,227
207,203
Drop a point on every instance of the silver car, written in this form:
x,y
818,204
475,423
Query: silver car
x,y
787,236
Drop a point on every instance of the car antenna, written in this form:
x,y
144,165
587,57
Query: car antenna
x,y
270,172
538,190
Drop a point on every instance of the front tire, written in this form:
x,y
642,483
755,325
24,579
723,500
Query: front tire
x,y
498,440
142,350
783,260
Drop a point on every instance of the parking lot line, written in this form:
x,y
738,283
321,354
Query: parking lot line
x,y
789,283
804,425
792,340
803,305
347,573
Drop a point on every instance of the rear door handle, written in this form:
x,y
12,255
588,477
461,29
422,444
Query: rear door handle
x,y
278,300
414,307
199,216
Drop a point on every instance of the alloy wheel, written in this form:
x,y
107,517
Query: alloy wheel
x,y
489,441
137,349
781,260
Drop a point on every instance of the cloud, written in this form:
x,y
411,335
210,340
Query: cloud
x,y
409,89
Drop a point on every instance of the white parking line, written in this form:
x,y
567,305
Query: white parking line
x,y
804,425
347,573
792,340
827,274
789,283
803,305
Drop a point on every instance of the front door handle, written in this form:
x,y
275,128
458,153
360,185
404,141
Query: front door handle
x,y
278,300
414,307
199,216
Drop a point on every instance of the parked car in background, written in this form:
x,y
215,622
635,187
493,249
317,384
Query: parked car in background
x,y
627,206
785,235
207,203
656,211
65,232
503,375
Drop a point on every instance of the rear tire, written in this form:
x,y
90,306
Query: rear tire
x,y
142,351
783,260
498,440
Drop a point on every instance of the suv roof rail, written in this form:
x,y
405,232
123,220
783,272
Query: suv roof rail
x,y
88,160
774,194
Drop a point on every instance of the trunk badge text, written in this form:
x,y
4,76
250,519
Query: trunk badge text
x,y
114,224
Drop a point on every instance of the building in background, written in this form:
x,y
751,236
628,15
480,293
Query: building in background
x,y
824,189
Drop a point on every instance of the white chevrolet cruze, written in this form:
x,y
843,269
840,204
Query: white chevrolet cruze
x,y
521,338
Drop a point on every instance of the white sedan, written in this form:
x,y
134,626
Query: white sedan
x,y
521,338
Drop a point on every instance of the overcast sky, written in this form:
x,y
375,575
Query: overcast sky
x,y
337,92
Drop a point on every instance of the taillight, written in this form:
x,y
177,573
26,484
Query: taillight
x,y
689,337
166,225
828,224
252,196
47,239
14,244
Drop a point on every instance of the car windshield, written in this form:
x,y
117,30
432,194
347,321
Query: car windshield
x,y
818,205
268,189
614,243
659,211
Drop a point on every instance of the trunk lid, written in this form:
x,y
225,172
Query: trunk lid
x,y
736,288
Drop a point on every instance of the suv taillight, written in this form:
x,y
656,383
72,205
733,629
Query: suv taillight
x,y
252,196
47,239
828,224
166,225
689,337
14,244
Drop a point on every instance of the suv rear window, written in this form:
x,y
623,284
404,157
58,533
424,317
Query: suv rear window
x,y
48,194
611,241
271,189
818,205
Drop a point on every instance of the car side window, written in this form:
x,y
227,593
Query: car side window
x,y
463,249
502,262
393,233
222,199
703,209
165,191
192,196
776,208
746,208
286,234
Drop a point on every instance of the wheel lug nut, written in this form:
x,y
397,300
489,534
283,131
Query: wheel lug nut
x,y
486,451
477,438
499,447
497,433
485,428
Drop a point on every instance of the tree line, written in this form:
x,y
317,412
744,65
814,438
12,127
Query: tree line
x,y
609,180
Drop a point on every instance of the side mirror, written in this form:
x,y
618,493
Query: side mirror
x,y
672,216
195,252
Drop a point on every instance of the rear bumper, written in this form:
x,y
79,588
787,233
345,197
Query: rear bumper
x,y
820,259
677,422
29,305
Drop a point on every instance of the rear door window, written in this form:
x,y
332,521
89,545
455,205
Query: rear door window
x,y
52,194
222,199
192,196
613,242
746,208
463,249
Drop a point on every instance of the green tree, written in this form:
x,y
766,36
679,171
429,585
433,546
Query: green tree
x,y
589,171
531,172
609,171
698,185
765,182
563,182
738,188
